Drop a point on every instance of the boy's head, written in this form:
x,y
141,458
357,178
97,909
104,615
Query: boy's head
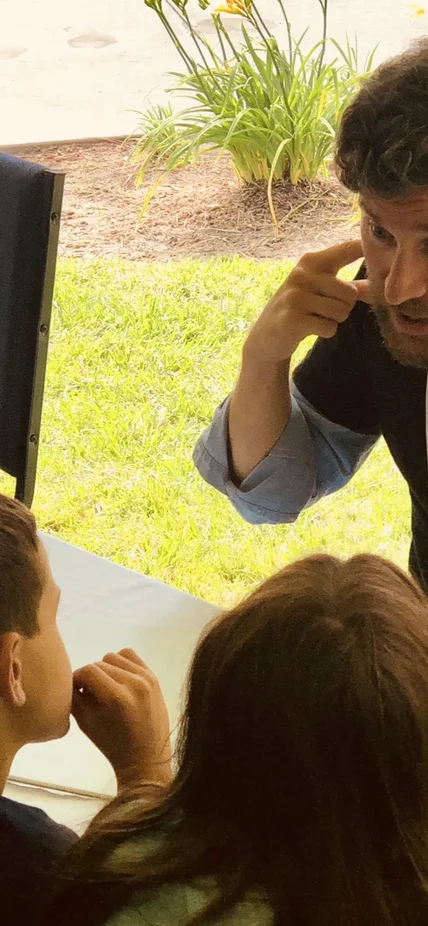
x,y
35,672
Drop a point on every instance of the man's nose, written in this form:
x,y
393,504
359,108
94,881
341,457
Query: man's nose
x,y
407,279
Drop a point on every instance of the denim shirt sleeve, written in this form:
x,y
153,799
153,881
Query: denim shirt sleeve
x,y
312,458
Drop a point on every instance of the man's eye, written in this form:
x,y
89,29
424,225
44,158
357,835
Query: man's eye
x,y
380,233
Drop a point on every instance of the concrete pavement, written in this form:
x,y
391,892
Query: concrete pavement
x,y
73,69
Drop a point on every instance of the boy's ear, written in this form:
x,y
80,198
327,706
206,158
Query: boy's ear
x,y
11,682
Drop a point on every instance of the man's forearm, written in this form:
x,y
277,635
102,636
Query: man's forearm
x,y
259,410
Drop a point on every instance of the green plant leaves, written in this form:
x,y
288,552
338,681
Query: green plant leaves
x,y
276,112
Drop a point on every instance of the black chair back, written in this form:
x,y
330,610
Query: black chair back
x,y
30,210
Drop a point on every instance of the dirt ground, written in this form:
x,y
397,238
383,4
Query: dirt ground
x,y
200,211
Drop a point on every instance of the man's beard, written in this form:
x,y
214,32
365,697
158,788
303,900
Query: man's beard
x,y
408,350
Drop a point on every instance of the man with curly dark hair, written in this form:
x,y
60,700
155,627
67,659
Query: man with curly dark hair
x,y
275,446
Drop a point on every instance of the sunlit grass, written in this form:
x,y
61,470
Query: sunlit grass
x,y
140,356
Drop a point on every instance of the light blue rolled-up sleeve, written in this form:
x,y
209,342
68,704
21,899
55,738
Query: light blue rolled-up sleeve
x,y
312,458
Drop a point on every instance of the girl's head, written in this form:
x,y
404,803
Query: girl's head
x,y
305,734
303,751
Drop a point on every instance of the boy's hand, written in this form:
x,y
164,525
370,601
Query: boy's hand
x,y
119,705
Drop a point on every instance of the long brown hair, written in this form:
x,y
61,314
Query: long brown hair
x,y
302,760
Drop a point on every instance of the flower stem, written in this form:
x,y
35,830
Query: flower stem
x,y
266,42
288,27
323,5
219,36
228,39
188,60
195,38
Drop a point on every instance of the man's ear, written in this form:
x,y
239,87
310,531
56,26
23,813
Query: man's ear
x,y
11,682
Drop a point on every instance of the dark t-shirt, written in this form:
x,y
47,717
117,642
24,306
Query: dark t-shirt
x,y
354,381
31,845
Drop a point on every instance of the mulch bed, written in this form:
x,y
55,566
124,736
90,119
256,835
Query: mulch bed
x,y
200,211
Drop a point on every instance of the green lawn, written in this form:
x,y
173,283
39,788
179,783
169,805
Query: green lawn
x,y
140,355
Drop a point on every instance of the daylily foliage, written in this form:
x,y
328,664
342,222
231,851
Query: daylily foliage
x,y
274,110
